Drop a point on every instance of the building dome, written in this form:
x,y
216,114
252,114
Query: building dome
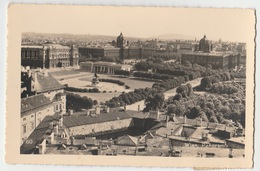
x,y
120,40
204,44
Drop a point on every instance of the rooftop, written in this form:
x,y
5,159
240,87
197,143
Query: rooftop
x,y
33,102
32,46
47,83
77,120
239,140
212,53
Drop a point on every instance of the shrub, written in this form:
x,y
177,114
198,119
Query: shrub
x,y
127,86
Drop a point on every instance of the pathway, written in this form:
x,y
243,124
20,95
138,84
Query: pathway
x,y
167,94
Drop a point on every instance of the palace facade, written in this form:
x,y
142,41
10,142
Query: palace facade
x,y
49,56
204,56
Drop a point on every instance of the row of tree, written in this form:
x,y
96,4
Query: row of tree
x,y
130,97
122,72
76,102
118,82
206,82
226,88
83,90
150,75
176,69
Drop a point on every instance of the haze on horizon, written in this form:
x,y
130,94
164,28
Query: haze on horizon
x,y
139,22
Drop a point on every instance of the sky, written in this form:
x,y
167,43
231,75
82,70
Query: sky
x,y
140,22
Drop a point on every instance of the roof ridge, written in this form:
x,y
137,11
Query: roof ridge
x,y
32,96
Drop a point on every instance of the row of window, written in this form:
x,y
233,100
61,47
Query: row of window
x,y
31,127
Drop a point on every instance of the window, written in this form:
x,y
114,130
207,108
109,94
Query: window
x,y
57,107
24,119
39,120
32,116
24,129
32,126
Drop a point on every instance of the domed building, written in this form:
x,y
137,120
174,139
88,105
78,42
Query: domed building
x,y
204,44
120,41
205,56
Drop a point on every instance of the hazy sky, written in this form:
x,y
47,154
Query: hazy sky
x,y
227,24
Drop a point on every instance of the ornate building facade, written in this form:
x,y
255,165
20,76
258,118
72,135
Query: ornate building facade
x,y
49,56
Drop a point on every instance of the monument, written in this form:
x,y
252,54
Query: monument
x,y
95,81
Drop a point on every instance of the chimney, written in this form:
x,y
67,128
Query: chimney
x,y
167,120
56,129
97,110
51,125
124,107
174,117
34,76
107,109
45,73
88,112
185,119
61,121
138,109
157,114
70,112
200,122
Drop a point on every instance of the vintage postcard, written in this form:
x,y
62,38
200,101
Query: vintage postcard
x,y
130,86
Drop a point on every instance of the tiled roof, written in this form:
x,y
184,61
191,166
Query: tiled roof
x,y
47,83
34,102
77,120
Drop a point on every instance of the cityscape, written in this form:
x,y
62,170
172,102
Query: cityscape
x,y
120,95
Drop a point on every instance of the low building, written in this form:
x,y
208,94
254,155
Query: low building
x,y
103,67
78,124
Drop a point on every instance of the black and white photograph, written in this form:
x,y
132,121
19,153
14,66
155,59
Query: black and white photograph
x,y
115,82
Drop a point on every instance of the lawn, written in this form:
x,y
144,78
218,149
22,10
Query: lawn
x,y
83,80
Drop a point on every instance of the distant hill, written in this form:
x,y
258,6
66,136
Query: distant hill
x,y
173,37
88,37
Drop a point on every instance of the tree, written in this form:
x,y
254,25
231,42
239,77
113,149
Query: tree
x,y
189,89
204,83
182,89
194,112
154,102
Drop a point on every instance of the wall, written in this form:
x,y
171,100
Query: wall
x,y
175,142
32,57
99,127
